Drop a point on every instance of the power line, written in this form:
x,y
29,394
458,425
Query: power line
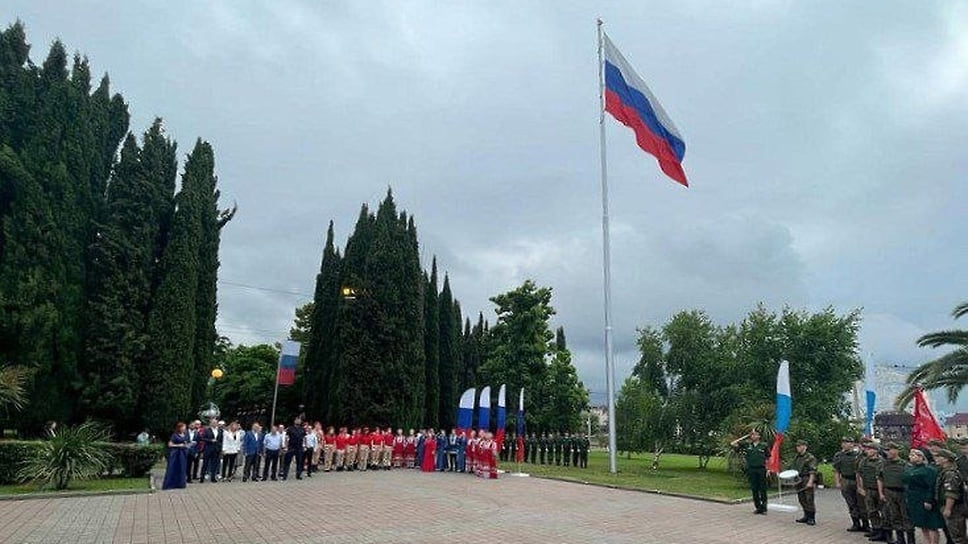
x,y
266,289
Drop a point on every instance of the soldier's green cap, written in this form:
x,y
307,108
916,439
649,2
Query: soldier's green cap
x,y
936,442
849,439
892,446
802,443
868,443
961,441
947,454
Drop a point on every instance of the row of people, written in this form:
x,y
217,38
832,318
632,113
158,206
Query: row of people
x,y
551,449
216,448
887,498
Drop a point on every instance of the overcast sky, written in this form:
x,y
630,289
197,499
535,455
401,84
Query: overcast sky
x,y
825,146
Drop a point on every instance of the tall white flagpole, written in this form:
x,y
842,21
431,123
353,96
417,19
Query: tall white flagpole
x,y
275,394
606,254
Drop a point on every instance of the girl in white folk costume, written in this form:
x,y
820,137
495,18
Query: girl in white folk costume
x,y
410,449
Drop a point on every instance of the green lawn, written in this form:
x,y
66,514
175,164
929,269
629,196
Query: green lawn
x,y
104,484
679,474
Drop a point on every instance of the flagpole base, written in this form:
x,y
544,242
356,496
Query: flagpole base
x,y
519,474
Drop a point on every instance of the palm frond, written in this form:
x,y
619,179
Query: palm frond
x,y
944,338
948,372
13,382
960,310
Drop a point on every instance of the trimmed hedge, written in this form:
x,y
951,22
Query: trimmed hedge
x,y
129,460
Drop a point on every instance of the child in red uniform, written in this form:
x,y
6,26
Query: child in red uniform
x,y
410,449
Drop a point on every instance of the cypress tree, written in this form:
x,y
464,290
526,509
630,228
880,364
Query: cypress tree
x,y
449,351
122,271
211,222
431,348
168,382
319,348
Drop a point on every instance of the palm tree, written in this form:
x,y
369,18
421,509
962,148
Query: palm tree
x,y
948,372
12,392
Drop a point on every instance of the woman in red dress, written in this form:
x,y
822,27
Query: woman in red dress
x,y
430,453
410,449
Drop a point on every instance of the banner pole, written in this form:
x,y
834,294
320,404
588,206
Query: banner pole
x,y
606,261
275,394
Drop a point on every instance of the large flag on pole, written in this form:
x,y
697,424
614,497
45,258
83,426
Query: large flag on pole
x,y
784,407
520,451
501,417
925,425
871,396
288,361
465,410
484,409
630,101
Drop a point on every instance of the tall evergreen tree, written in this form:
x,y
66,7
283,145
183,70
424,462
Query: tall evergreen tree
x,y
379,371
319,346
449,355
211,222
169,381
432,307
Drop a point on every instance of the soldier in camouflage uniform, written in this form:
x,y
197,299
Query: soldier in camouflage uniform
x,y
951,495
531,446
867,469
845,477
543,447
806,465
891,488
756,454
566,445
556,444
583,448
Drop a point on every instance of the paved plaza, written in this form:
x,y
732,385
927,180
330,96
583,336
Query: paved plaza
x,y
407,506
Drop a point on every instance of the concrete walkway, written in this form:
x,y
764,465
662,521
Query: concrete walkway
x,y
403,506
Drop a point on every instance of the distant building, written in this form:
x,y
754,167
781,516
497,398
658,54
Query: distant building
x,y
957,425
600,413
894,426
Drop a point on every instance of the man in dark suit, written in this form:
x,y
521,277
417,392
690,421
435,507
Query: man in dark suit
x,y
295,433
191,467
211,439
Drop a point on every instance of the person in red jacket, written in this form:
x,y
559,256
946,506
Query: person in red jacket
x,y
385,460
352,444
329,449
342,441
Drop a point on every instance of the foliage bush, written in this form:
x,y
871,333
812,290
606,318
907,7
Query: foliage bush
x,y
129,460
13,455
74,453
134,460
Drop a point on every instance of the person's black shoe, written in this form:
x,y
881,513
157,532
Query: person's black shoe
x,y
803,519
881,536
855,526
299,477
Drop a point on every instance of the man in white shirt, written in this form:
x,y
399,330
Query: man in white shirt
x,y
310,441
273,443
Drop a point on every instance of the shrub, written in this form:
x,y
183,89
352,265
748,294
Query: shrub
x,y
75,453
134,460
13,455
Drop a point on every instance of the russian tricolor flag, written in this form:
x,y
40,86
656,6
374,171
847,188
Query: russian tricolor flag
x,y
871,396
501,416
484,409
465,410
784,407
288,360
630,101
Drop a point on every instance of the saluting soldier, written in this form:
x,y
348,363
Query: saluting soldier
x,y
756,454
845,476
890,486
951,495
867,469
806,465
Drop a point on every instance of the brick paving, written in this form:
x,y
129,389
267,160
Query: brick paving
x,y
403,506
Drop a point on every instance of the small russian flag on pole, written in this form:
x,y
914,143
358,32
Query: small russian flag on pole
x,y
288,361
784,408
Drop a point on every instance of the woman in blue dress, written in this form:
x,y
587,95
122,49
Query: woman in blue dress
x,y
175,474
